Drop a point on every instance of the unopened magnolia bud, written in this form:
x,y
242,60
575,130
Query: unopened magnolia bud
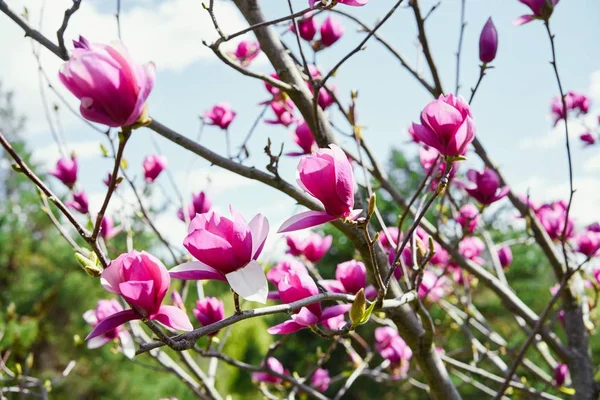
x,y
358,308
421,252
89,265
372,204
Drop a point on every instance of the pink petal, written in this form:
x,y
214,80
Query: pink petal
x,y
285,328
523,19
334,311
259,227
250,282
112,322
306,219
98,341
305,317
333,285
196,270
173,317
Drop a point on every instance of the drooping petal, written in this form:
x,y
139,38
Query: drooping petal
x,y
173,317
250,282
307,219
112,322
333,286
259,227
285,328
305,317
196,270
334,311
523,19
98,341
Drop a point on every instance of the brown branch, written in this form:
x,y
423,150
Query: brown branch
x,y
61,31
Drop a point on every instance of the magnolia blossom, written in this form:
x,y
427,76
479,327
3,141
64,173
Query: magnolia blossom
x,y
320,380
272,89
284,112
246,51
588,243
153,165
220,115
200,204
79,203
326,175
354,3
484,186
587,138
296,286
440,257
208,311
468,218
103,310
282,268
107,228
505,256
433,287
226,250
143,281
428,157
274,365
541,9
553,218
66,170
471,248
307,27
350,277
393,348
304,138
331,31
313,247
488,42
326,97
574,101
446,125
112,88
561,371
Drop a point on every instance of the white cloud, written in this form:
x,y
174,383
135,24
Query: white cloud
x,y
216,180
83,150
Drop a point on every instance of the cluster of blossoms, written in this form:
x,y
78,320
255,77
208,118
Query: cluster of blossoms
x,y
576,102
331,31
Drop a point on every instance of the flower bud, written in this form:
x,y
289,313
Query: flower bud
x,y
488,42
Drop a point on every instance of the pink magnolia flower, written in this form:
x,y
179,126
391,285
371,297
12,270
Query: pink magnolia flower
x,y
66,171
574,101
282,268
428,156
441,257
331,31
392,347
143,281
103,310
350,277
560,374
335,323
272,89
297,286
385,242
304,138
433,287
595,227
446,125
484,186
226,250
468,218
326,175
220,115
284,112
354,3
326,99
274,365
587,138
588,243
553,219
108,229
246,51
505,256
208,311
471,248
153,165
320,380
307,27
488,42
541,9
79,203
112,88
313,247
200,204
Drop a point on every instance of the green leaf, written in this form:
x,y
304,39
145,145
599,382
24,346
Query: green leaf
x,y
103,150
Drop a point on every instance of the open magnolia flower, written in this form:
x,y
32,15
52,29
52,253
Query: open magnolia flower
x,y
105,309
226,250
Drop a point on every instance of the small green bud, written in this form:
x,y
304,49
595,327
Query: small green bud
x,y
89,265
372,204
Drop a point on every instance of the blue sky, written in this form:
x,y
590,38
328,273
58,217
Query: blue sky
x,y
511,108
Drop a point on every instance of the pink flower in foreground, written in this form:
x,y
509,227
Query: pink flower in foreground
x,y
505,256
282,268
446,125
200,204
484,186
320,380
541,9
313,247
354,3
392,347
488,42
108,229
587,138
153,165
246,51
66,171
143,281
307,27
560,374
304,138
331,31
220,115
284,112
274,365
208,311
297,286
350,277
553,219
326,175
468,218
112,88
226,250
103,310
79,203
433,287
